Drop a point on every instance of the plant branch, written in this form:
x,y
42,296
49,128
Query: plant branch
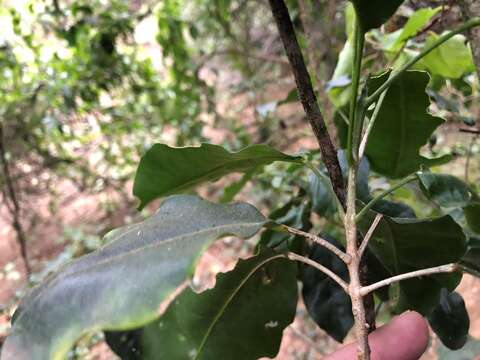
x,y
15,209
449,268
355,121
469,9
320,241
372,202
320,267
307,95
354,270
442,39
470,131
378,107
369,234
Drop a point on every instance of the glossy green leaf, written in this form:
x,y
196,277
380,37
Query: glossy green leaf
x,y
326,302
394,41
445,190
450,321
374,13
241,318
403,245
403,126
450,60
122,285
470,351
165,170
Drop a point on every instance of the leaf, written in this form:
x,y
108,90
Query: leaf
x,y
123,284
326,302
338,88
471,260
470,351
394,41
441,62
164,170
403,126
374,13
233,189
295,213
323,201
404,245
445,190
472,214
292,97
385,207
450,321
242,317
449,191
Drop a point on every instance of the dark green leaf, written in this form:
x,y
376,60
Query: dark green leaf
x,y
164,170
295,213
326,302
374,13
403,126
471,260
122,285
242,317
470,351
450,320
445,190
323,201
472,214
385,207
404,245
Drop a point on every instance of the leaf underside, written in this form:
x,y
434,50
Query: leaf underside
x,y
241,318
123,284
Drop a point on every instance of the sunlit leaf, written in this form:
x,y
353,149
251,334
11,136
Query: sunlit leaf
x,y
450,60
394,41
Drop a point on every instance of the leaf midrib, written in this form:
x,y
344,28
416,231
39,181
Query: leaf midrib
x,y
207,175
230,299
134,251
